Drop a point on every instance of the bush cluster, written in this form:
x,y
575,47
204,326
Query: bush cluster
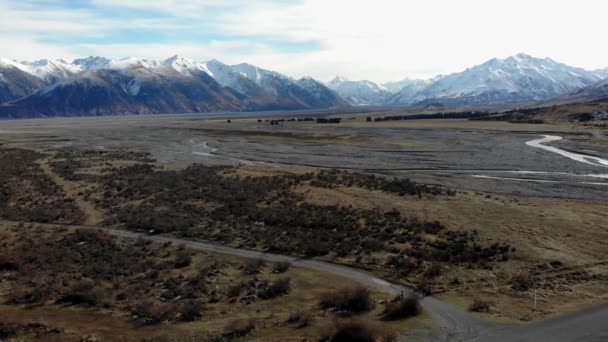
x,y
402,307
348,300
94,269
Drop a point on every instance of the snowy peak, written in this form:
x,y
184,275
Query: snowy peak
x,y
603,73
228,77
135,63
411,84
92,63
250,71
5,62
45,69
183,65
258,75
337,81
518,78
359,92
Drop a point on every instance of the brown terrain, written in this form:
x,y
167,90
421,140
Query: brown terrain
x,y
488,253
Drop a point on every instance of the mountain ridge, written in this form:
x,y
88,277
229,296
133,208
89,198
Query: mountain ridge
x,y
143,86
28,88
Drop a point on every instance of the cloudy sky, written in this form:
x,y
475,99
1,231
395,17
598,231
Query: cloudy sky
x,y
381,40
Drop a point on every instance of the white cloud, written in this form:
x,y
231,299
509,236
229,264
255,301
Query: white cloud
x,y
23,47
387,40
380,40
201,52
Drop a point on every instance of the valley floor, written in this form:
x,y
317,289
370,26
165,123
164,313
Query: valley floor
x,y
515,221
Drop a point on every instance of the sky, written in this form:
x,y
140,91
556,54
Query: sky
x,y
378,40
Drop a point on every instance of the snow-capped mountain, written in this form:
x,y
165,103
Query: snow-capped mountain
x,y
321,93
515,79
395,87
594,92
359,92
92,63
100,86
228,77
408,90
16,83
602,72
50,71
271,81
127,90
290,93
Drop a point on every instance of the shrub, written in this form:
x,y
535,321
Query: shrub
x,y
239,327
372,244
7,330
402,307
8,264
277,288
522,282
347,300
182,259
253,267
401,266
32,295
151,313
301,317
83,293
358,331
235,290
281,267
191,311
479,305
424,288
434,270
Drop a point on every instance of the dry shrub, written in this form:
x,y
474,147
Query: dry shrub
x,y
281,267
301,318
253,267
151,313
191,311
277,288
348,300
522,282
8,264
84,292
239,327
182,259
433,271
479,305
424,287
402,307
31,295
359,331
12,331
7,330
236,290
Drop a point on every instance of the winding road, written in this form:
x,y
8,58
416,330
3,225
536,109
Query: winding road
x,y
453,323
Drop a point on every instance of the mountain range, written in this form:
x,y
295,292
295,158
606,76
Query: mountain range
x,y
516,79
101,86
